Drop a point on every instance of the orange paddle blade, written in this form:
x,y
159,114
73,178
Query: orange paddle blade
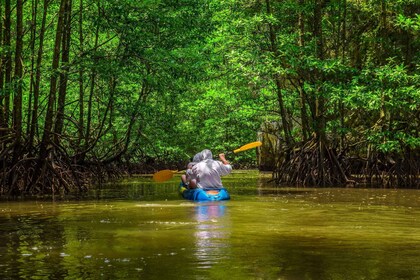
x,y
163,175
248,146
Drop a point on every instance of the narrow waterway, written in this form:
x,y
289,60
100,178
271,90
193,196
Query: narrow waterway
x,y
137,229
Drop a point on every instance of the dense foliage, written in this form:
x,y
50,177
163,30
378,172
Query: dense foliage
x,y
91,87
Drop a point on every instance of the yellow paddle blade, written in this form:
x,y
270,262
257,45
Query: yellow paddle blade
x,y
248,146
163,175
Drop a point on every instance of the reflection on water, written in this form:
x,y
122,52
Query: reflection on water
x,y
264,232
212,233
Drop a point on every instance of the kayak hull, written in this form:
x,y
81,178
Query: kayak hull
x,y
204,195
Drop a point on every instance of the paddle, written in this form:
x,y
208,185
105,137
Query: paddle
x,y
248,146
164,175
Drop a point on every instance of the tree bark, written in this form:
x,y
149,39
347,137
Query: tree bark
x,y
320,122
32,75
302,94
34,118
344,46
383,22
91,93
17,101
343,56
65,52
46,138
81,74
277,81
8,61
2,61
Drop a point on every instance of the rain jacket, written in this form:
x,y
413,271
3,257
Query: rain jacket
x,y
208,171
196,159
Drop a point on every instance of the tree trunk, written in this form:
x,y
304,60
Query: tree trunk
x,y
34,118
46,138
2,60
283,114
92,91
344,46
320,123
302,94
408,39
343,56
339,48
32,75
383,22
64,72
81,74
17,101
275,51
303,113
8,62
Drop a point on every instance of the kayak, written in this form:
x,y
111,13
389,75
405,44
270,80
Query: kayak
x,y
203,194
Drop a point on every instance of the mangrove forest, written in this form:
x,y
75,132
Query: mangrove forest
x,y
91,90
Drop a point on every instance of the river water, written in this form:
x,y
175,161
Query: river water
x,y
137,229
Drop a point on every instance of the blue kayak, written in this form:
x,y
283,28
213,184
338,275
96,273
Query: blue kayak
x,y
203,194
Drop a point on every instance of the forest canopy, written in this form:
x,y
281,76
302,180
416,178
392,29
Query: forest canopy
x,y
93,88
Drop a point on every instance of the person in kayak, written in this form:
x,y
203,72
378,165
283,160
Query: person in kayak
x,y
208,172
187,179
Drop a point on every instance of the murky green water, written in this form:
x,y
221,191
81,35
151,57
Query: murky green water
x,y
142,230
